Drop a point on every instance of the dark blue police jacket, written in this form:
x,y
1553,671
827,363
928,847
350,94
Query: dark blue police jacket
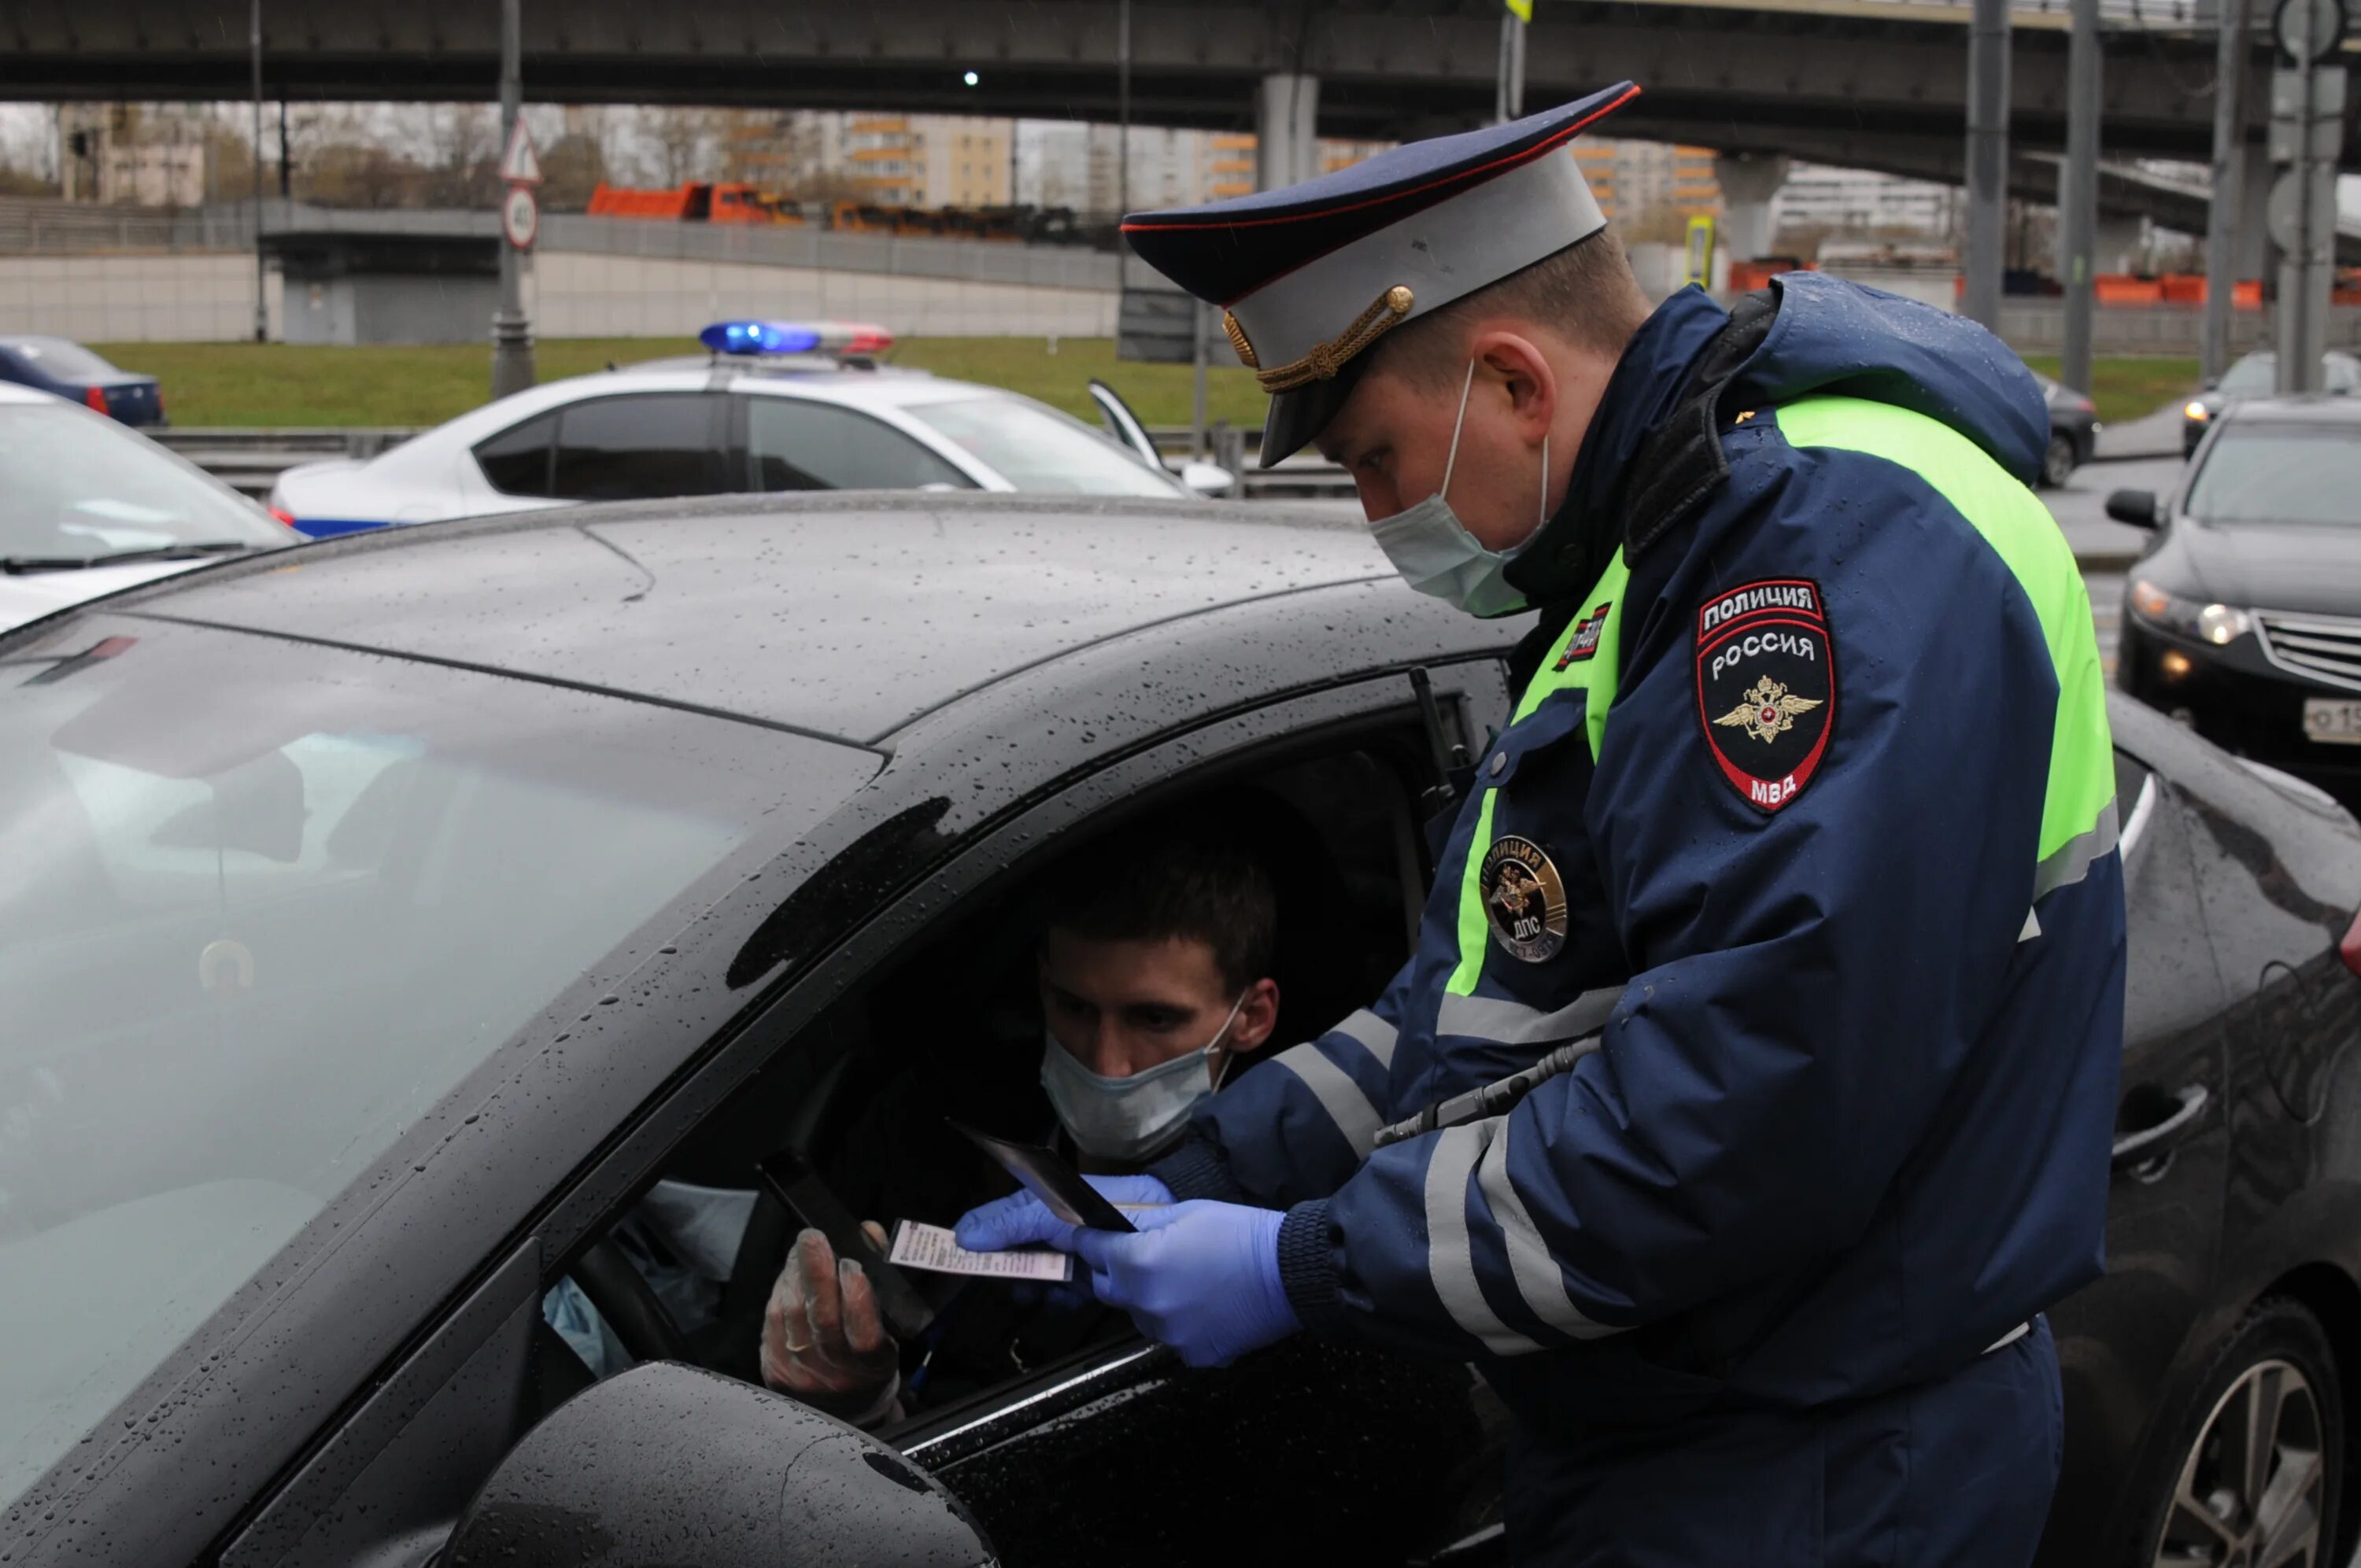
x,y
1797,863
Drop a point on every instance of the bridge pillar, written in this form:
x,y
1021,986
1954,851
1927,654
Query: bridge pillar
x,y
1287,131
1748,181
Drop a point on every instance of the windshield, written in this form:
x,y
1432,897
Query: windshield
x,y
2284,475
266,906
1037,448
55,357
2255,372
75,485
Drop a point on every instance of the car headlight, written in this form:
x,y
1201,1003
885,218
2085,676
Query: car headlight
x,y
2219,624
2197,411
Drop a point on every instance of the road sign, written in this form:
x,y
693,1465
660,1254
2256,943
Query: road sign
x,y
519,165
519,216
2309,30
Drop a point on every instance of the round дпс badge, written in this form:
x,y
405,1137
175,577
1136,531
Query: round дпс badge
x,y
1523,898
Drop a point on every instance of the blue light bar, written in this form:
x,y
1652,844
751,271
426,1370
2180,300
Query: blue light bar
x,y
795,337
760,338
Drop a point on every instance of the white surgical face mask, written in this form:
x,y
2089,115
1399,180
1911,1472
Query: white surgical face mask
x,y
1437,555
1130,1119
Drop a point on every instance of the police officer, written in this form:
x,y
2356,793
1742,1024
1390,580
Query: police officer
x,y
1747,1095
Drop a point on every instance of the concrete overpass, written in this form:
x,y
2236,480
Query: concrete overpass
x,y
1877,84
1839,80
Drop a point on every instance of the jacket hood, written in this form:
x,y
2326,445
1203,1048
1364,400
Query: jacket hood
x,y
1831,338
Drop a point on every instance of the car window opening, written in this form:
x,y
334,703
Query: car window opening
x,y
863,1094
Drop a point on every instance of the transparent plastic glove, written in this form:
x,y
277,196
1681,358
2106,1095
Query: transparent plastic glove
x,y
1200,1277
1021,1218
824,1340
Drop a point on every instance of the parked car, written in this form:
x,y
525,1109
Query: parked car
x,y
2073,431
2243,615
67,371
2256,375
380,931
777,406
87,507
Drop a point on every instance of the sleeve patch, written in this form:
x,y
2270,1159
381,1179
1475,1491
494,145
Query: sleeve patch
x,y
1766,683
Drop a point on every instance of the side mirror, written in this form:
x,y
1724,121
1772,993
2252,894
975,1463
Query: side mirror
x,y
667,1465
1207,479
2137,508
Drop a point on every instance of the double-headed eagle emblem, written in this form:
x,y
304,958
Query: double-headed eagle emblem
x,y
1768,710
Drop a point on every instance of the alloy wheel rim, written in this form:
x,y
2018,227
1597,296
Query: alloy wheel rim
x,y
2251,1489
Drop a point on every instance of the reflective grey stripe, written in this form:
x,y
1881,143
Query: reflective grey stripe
x,y
2073,858
1377,1037
1337,1093
1450,1258
1539,1279
1514,1024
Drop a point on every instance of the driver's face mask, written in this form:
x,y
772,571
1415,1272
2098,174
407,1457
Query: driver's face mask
x,y
1132,1119
1437,555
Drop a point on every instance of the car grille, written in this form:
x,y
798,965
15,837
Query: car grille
x,y
2323,647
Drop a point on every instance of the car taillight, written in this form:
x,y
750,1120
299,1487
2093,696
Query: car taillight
x,y
286,517
95,399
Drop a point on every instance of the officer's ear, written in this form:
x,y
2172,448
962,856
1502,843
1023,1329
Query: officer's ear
x,y
1258,1016
1518,370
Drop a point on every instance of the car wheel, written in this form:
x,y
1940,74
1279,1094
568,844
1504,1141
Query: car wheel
x,y
2057,461
2253,1472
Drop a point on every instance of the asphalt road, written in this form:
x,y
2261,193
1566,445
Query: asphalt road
x,y
2081,508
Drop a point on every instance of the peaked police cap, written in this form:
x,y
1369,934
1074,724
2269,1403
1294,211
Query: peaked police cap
x,y
1312,275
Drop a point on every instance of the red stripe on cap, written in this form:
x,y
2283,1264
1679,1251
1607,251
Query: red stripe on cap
x,y
1557,139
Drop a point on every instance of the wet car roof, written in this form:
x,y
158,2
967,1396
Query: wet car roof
x,y
839,615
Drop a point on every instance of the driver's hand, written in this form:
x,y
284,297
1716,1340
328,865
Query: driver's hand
x,y
824,1341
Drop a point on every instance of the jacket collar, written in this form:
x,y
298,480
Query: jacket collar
x,y
1565,557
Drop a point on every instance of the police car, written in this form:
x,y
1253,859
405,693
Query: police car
x,y
775,406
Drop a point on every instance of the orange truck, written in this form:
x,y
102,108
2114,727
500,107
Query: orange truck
x,y
696,202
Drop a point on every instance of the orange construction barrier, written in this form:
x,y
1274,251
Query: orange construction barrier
x,y
2121,288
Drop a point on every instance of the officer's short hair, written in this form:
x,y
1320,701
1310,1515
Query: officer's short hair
x,y
1167,879
1585,291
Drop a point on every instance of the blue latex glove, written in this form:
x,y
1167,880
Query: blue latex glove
x,y
1200,1277
1022,1219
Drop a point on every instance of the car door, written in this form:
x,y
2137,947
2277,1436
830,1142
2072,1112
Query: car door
x,y
2280,866
2119,1336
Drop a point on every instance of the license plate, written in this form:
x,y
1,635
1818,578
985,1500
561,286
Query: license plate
x,y
2334,719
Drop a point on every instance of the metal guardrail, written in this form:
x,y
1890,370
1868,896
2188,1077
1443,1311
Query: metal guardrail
x,y
251,459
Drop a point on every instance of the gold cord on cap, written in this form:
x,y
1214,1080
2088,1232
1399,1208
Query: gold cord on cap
x,y
1325,359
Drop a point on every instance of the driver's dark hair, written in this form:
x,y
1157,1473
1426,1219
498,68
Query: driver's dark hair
x,y
1173,877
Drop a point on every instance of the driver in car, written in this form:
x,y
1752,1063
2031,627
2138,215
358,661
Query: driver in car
x,y
1153,971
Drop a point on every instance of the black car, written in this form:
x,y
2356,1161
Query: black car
x,y
2256,375
2245,614
2073,431
69,370
383,923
